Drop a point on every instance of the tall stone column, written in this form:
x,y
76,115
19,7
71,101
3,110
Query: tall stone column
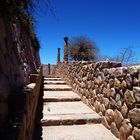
x,y
49,69
65,49
58,56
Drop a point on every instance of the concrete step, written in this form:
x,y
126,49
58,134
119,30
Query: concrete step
x,y
54,82
65,108
57,88
52,79
77,132
60,96
71,119
57,113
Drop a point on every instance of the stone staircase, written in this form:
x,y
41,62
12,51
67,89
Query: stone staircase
x,y
66,117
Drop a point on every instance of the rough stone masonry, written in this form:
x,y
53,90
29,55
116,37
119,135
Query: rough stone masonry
x,y
109,89
19,57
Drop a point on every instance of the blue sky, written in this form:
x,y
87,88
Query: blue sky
x,y
112,24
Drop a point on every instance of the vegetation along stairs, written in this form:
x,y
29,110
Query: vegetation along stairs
x,y
65,116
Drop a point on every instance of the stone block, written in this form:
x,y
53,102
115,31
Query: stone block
x,y
136,91
134,116
125,130
117,84
130,138
132,70
105,123
110,116
124,110
136,133
129,97
114,130
118,118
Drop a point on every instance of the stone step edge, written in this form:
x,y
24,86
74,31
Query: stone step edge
x,y
55,79
61,99
51,76
71,119
57,89
55,83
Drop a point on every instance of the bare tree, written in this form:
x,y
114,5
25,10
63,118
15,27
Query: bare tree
x,y
126,56
82,49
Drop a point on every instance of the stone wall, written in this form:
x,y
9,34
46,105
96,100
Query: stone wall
x,y
29,113
109,89
19,57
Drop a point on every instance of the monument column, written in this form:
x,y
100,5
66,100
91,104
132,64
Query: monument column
x,y
49,69
58,56
65,49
